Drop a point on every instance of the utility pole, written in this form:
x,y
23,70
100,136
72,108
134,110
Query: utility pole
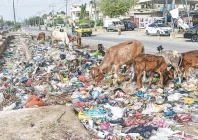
x,y
39,20
53,5
14,13
165,11
188,10
172,20
66,1
95,14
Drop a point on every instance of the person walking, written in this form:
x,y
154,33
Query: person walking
x,y
73,28
119,29
126,26
61,29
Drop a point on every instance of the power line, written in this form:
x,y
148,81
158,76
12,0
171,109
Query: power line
x,y
32,5
22,2
2,3
74,2
61,8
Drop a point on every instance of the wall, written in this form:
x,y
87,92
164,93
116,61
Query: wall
x,y
3,41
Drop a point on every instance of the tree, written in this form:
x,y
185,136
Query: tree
x,y
83,11
9,23
91,3
115,8
62,12
59,20
1,22
44,16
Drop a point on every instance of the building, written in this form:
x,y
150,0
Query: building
x,y
146,10
90,12
50,19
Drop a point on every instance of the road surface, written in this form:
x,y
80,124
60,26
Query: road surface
x,y
150,42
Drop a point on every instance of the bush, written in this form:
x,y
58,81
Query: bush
x,y
17,26
92,22
99,22
86,20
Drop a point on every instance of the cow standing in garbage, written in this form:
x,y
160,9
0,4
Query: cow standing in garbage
x,y
172,58
115,57
60,36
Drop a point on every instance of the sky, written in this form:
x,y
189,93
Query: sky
x,y
29,8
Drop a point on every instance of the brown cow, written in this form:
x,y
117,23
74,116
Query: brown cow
x,y
116,56
153,64
33,37
41,36
190,59
75,38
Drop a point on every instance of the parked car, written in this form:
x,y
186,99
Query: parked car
x,y
83,29
111,24
158,29
192,33
131,24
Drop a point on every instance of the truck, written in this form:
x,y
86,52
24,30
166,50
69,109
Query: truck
x,y
111,24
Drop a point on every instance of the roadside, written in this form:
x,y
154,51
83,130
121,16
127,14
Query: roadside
x,y
109,39
46,123
125,34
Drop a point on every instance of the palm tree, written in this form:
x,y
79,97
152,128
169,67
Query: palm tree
x,y
91,3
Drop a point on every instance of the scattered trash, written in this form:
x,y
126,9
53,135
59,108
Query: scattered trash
x,y
60,76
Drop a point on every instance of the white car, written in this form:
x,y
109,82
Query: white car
x,y
158,29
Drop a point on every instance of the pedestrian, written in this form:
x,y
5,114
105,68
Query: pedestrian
x,y
119,29
126,26
73,28
61,29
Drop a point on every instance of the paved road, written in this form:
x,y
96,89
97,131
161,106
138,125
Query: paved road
x,y
151,42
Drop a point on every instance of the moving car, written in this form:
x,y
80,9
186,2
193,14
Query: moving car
x,y
84,29
158,29
192,33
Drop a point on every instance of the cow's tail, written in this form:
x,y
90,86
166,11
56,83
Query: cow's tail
x,y
143,50
180,60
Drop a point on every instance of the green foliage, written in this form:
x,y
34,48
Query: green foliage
x,y
59,20
1,23
99,22
17,26
62,12
92,22
115,8
44,16
35,21
83,11
86,20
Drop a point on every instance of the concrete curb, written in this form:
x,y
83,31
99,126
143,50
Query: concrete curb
x,y
3,41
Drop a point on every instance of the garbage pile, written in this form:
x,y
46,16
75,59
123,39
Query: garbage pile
x,y
56,75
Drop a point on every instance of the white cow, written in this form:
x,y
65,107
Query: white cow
x,y
60,36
